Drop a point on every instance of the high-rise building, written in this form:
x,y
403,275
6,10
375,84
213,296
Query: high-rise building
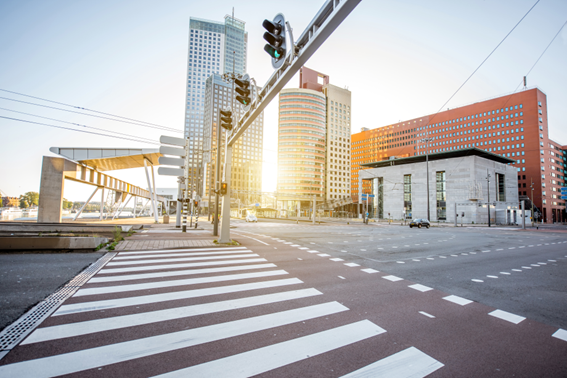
x,y
514,126
214,47
314,142
247,152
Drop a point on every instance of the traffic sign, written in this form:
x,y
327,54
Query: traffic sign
x,y
563,197
371,195
166,150
162,160
564,189
167,171
164,139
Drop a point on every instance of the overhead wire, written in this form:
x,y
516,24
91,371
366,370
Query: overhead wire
x,y
80,125
81,131
90,110
92,115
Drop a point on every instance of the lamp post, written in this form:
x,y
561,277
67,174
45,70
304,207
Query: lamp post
x,y
427,140
532,200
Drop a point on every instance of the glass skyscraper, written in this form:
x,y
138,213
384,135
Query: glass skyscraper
x,y
214,48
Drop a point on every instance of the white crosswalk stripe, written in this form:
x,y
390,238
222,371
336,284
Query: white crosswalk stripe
x,y
163,287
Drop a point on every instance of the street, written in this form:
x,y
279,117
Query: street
x,y
329,300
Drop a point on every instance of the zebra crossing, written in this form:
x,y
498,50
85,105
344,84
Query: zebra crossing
x,y
141,306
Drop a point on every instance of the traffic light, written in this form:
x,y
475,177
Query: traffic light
x,y
223,188
226,119
195,203
243,90
275,36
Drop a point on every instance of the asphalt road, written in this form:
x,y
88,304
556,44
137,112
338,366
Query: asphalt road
x,y
310,301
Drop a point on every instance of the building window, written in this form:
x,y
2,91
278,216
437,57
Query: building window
x,y
500,187
407,196
441,189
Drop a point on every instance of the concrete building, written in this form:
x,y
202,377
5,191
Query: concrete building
x,y
314,142
513,126
214,48
247,152
457,184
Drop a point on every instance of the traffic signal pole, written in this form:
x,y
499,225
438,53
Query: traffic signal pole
x,y
217,179
225,223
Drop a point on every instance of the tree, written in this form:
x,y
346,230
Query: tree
x,y
1,202
67,204
32,198
23,203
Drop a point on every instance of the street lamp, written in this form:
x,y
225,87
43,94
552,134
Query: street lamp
x,y
488,194
427,140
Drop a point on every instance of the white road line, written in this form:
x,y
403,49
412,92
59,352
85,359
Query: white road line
x,y
341,277
313,251
400,262
442,257
506,273
129,350
164,297
174,283
392,278
426,314
552,260
517,270
475,280
512,318
181,259
472,253
178,266
336,259
491,276
408,363
420,287
542,263
457,300
187,272
500,249
117,322
561,334
430,258
179,254
323,255
303,248
526,267
295,245
352,264
181,250
259,241
488,250
369,270
264,359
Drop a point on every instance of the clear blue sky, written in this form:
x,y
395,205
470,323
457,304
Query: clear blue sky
x,y
400,59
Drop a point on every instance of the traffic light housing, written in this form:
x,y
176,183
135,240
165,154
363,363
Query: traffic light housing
x,y
226,119
223,188
195,203
243,90
275,36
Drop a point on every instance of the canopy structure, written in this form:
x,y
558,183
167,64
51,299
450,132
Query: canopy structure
x,y
86,165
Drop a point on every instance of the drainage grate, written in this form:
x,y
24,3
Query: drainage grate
x,y
17,331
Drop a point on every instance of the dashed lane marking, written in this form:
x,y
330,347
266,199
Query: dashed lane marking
x,y
512,318
337,259
392,278
420,287
476,280
561,334
489,276
426,314
457,300
323,255
352,265
369,270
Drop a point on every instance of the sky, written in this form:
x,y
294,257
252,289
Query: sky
x,y
400,59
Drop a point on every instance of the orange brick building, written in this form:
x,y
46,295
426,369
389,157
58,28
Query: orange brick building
x,y
514,126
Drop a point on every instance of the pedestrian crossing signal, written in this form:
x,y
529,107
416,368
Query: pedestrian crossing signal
x,y
224,188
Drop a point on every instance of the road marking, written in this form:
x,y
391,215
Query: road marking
x,y
492,276
287,242
295,245
400,262
303,248
344,251
541,263
363,249
530,245
130,277
264,359
500,249
177,266
488,250
506,273
163,251
336,259
455,255
352,265
512,318
410,362
472,253
526,267
174,283
420,287
73,362
324,255
117,322
442,257
517,270
181,259
552,260
534,265
426,314
430,258
512,248
369,270
522,246
313,251
394,247
300,259
392,278
457,300
341,277
475,280
561,334
164,297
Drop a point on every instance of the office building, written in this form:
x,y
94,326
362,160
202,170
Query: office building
x,y
314,143
247,152
214,48
513,126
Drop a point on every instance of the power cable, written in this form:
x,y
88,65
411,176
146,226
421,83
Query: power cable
x,y
90,110
92,115
81,131
553,39
76,124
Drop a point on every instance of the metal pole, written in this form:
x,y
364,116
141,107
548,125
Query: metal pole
x,y
456,215
154,196
488,194
85,205
427,174
532,200
178,206
523,215
314,209
217,178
